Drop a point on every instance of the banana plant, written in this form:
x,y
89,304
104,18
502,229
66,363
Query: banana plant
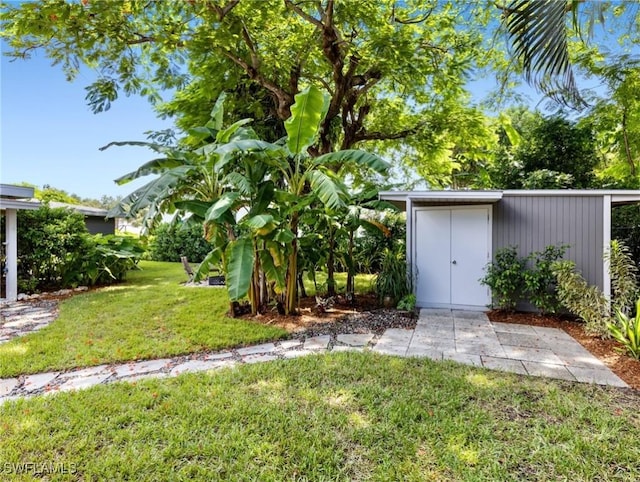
x,y
299,181
249,194
188,171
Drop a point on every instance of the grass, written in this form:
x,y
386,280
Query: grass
x,y
344,416
364,283
150,316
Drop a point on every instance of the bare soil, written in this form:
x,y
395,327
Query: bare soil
x,y
606,350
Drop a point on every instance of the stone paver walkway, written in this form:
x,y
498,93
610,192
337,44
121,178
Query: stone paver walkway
x,y
465,337
20,318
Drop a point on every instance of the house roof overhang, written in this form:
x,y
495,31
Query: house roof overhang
x,y
18,204
625,197
9,191
618,196
400,198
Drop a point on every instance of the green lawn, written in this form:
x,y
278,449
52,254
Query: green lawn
x,y
344,416
149,316
364,283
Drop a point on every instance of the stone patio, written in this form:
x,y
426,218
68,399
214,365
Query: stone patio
x,y
461,336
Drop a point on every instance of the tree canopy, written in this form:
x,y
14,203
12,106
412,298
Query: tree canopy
x,y
377,60
396,72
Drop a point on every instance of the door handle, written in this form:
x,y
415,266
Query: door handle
x,y
454,262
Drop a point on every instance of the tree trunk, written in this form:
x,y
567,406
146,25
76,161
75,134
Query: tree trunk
x,y
627,149
291,293
350,269
331,282
254,287
303,291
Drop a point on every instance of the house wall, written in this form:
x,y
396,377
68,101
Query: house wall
x,y
100,225
532,222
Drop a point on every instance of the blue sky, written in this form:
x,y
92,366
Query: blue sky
x,y
48,135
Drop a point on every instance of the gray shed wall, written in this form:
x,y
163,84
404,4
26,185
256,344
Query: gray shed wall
x,y
536,221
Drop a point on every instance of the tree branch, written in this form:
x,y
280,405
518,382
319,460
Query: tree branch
x,y
284,99
255,59
385,136
223,11
303,14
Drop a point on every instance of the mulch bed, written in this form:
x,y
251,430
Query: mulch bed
x,y
363,316
606,350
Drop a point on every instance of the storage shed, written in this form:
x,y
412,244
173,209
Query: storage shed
x,y
452,235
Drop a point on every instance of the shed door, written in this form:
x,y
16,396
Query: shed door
x,y
451,249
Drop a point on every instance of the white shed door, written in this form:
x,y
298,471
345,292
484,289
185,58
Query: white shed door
x,y
451,249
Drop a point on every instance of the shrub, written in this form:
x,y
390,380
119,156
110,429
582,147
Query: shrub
x,y
588,302
172,241
407,303
393,280
505,277
370,245
112,258
623,271
52,245
55,251
625,226
539,280
585,301
627,331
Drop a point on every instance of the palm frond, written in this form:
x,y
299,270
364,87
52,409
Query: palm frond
x,y
537,30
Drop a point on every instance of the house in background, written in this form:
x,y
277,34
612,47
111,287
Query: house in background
x,y
14,198
94,218
452,235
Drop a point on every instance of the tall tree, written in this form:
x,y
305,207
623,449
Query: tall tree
x,y
393,70
549,153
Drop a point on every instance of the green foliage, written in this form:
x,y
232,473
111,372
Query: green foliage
x,y
624,277
396,73
588,302
371,244
172,240
224,179
56,251
112,258
505,277
407,303
552,153
615,117
547,179
625,227
626,331
53,245
585,301
539,280
393,279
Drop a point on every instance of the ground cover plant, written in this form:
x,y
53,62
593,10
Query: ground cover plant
x,y
149,316
343,416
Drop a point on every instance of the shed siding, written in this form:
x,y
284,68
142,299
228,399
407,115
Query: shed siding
x,y
536,221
